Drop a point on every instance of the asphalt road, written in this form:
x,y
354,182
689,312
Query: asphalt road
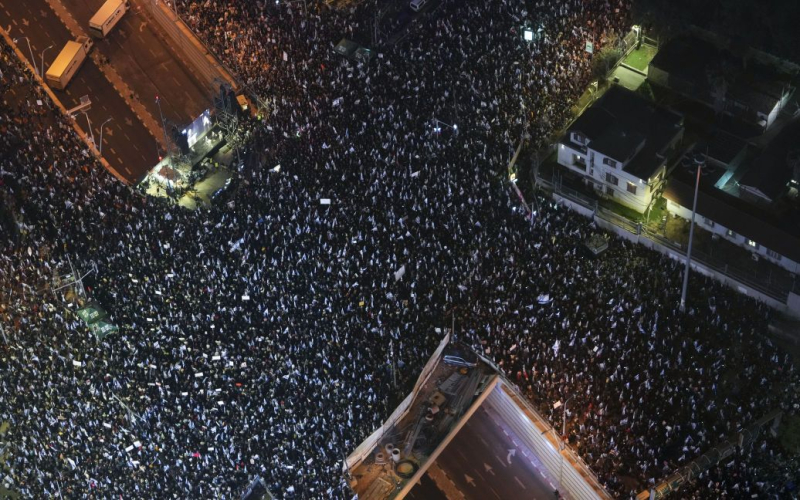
x,y
485,464
147,64
426,490
127,145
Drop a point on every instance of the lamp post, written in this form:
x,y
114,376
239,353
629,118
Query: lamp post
x,y
563,444
101,134
91,134
41,73
33,59
163,124
700,161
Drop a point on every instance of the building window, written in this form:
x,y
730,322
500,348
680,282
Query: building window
x,y
611,179
577,138
632,188
730,234
579,161
709,222
611,163
609,191
773,254
752,244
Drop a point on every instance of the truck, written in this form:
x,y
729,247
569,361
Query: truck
x,y
107,17
67,63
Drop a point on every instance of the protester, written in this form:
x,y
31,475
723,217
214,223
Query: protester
x,y
258,338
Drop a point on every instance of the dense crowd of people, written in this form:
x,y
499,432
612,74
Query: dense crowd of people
x,y
257,338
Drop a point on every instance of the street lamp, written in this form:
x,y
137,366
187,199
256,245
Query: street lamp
x,y
33,59
91,134
101,134
700,161
45,50
163,124
563,437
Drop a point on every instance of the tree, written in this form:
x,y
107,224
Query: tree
x,y
604,61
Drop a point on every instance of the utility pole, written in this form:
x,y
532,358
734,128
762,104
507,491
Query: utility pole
x,y
41,73
700,164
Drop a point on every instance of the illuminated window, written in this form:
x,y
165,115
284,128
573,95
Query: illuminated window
x,y
752,244
632,188
730,234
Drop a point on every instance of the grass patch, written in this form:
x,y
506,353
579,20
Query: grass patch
x,y
641,57
658,210
619,209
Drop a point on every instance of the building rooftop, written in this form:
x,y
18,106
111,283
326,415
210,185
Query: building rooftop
x,y
772,170
779,231
697,62
629,128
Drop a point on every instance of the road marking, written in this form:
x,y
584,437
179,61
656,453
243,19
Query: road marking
x,y
488,468
501,462
112,150
469,480
520,483
462,455
495,493
127,169
511,453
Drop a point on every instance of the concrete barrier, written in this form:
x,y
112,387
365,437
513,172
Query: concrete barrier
x,y
61,107
199,57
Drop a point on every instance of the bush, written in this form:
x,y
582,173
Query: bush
x,y
604,61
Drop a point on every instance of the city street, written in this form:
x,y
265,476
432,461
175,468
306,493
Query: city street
x,y
146,63
137,55
484,463
127,145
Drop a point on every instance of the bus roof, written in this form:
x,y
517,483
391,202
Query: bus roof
x,y
65,57
105,12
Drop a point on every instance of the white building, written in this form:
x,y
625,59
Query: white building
x,y
760,211
621,146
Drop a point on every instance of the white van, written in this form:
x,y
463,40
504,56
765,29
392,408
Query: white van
x,y
417,5
107,17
